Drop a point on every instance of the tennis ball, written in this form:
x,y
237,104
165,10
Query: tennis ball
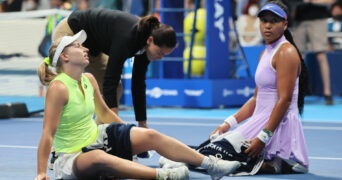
x,y
200,26
197,62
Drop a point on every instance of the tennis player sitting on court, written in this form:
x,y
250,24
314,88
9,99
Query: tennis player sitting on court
x,y
281,77
88,151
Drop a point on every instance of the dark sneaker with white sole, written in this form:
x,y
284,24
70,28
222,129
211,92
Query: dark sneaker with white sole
x,y
293,167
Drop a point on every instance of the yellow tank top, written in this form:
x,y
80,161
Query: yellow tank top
x,y
77,127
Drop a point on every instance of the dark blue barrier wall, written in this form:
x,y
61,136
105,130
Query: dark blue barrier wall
x,y
194,92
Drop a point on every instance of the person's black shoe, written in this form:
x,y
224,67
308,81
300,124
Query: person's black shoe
x,y
292,167
328,100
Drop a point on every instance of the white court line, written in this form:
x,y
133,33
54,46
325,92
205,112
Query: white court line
x,y
217,118
18,147
215,124
322,128
325,158
220,119
34,147
205,124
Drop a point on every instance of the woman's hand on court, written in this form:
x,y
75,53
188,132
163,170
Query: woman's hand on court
x,y
42,177
222,128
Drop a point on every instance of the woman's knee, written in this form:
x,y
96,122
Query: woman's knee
x,y
152,134
90,164
145,137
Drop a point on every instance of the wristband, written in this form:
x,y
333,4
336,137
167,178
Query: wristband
x,y
231,121
268,132
265,136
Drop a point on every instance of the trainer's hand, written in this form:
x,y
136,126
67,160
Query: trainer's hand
x,y
255,149
42,177
222,128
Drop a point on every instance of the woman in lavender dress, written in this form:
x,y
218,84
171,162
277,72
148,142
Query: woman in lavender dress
x,y
273,125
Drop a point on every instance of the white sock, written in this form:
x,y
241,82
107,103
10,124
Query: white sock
x,y
161,173
205,163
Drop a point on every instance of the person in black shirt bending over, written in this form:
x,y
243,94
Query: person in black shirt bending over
x,y
114,36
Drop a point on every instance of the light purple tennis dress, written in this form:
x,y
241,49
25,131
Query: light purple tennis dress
x,y
288,140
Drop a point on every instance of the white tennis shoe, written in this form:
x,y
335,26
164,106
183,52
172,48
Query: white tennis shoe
x,y
219,168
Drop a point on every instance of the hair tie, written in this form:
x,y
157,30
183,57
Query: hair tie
x,y
47,61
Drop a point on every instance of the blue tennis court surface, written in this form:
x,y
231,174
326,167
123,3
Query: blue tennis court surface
x,y
322,125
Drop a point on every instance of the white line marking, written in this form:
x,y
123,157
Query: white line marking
x,y
18,147
220,118
325,158
215,124
34,147
322,128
